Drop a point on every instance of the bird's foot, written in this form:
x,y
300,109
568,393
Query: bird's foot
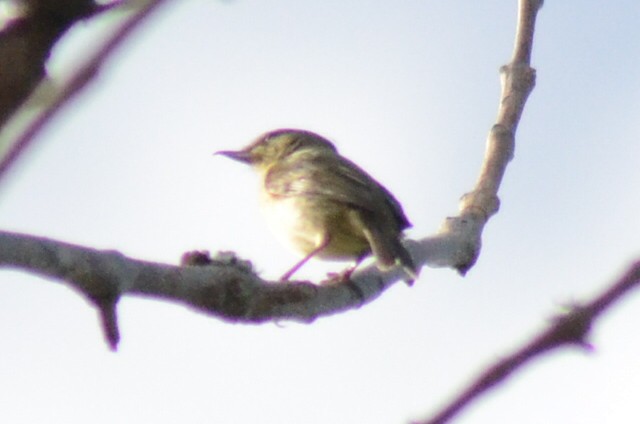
x,y
339,277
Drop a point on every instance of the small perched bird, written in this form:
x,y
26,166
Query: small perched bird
x,y
325,205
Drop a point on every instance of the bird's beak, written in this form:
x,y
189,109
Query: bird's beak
x,y
239,155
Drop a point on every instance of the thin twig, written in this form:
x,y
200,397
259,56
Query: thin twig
x,y
570,329
464,231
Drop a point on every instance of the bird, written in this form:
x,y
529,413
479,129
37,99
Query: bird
x,y
324,205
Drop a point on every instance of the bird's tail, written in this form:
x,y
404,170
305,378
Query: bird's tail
x,y
404,260
390,252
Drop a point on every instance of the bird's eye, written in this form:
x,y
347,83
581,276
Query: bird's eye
x,y
293,145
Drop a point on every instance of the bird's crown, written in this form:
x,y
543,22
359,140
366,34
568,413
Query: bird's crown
x,y
278,144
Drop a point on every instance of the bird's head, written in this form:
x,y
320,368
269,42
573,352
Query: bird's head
x,y
277,145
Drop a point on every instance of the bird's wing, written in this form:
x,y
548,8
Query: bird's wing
x,y
336,179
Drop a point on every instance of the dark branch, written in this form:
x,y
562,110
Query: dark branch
x,y
25,45
24,49
570,329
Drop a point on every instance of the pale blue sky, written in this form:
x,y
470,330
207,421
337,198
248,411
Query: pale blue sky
x,y
406,89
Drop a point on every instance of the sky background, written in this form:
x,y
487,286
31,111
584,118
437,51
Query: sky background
x,y
409,91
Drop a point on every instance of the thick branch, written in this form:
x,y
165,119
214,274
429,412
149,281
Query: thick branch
x,y
24,48
25,44
226,288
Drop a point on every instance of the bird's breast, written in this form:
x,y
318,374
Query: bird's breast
x,y
304,223
288,220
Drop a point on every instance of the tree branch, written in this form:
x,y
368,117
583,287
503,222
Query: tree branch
x,y
464,232
236,293
26,42
226,287
22,68
570,329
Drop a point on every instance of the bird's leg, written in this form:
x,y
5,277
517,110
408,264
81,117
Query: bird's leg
x,y
346,274
324,243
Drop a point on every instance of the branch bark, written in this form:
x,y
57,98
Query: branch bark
x,y
226,287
